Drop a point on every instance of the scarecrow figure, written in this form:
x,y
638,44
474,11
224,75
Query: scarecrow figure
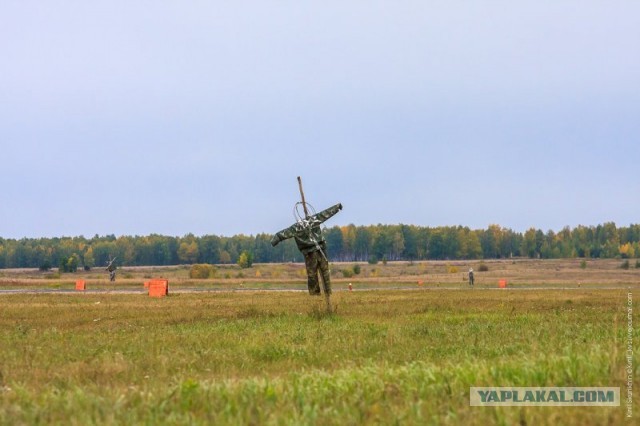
x,y
313,246
310,241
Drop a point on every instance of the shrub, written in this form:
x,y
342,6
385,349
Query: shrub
x,y
347,273
245,260
356,269
70,264
373,260
483,268
583,264
452,269
625,264
201,271
638,264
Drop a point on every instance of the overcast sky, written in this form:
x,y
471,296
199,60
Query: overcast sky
x,y
175,117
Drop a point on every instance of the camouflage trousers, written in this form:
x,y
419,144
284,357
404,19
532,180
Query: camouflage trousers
x,y
316,262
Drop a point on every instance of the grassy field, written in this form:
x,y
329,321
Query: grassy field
x,y
262,357
433,274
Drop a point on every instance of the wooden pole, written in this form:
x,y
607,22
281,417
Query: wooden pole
x,y
304,203
327,296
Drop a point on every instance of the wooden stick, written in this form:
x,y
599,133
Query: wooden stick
x,y
304,203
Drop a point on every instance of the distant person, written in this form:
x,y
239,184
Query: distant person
x,y
112,273
111,267
471,277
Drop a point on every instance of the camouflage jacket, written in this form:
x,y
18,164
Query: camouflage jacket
x,y
307,233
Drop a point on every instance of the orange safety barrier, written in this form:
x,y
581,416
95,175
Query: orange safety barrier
x,y
502,283
81,285
159,287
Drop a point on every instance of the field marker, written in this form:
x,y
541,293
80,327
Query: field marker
x,y
158,287
81,285
502,283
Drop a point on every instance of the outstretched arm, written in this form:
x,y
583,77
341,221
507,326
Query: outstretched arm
x,y
326,214
285,234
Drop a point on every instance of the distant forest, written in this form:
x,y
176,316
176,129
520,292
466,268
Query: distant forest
x,y
347,243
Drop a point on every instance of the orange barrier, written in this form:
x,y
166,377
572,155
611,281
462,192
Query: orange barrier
x,y
159,287
81,285
502,283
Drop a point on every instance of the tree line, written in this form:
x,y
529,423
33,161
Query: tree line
x,y
345,243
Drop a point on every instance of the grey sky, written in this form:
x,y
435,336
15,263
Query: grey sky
x,y
132,117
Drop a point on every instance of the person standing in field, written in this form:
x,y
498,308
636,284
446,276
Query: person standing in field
x,y
471,277
311,243
112,273
111,267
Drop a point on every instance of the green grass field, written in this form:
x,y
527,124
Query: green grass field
x,y
385,357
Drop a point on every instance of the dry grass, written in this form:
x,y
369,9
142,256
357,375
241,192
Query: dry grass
x,y
262,357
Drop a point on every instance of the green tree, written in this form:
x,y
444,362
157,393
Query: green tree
x,y
70,264
362,243
397,244
209,247
3,255
529,242
491,241
381,242
348,241
225,257
436,245
410,239
333,236
45,266
451,242
188,252
245,260
262,249
472,246
89,260
126,252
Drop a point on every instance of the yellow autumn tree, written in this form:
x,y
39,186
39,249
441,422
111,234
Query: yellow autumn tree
x,y
627,251
188,252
